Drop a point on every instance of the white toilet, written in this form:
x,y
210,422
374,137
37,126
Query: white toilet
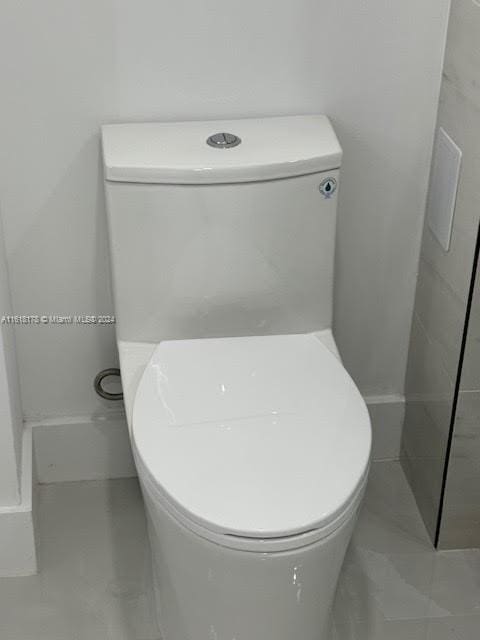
x,y
252,442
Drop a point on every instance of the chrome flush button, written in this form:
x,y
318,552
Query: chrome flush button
x,y
223,140
328,187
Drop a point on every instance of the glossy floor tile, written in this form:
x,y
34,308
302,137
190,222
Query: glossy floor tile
x,y
94,579
394,585
94,568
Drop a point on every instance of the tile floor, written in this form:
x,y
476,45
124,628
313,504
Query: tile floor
x,y
94,571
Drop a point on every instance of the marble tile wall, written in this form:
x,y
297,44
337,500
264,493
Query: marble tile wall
x,y
460,522
442,293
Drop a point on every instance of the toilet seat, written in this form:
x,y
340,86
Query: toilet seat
x,y
252,441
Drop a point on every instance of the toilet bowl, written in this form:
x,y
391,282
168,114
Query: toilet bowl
x,y
253,455
251,441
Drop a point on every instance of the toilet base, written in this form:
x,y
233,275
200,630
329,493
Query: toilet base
x,y
205,591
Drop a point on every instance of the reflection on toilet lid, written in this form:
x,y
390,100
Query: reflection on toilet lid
x,y
257,436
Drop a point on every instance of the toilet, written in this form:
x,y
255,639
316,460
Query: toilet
x,y
251,441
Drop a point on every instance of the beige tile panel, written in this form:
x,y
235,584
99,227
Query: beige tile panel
x,y
442,313
461,511
443,286
460,527
467,419
423,438
462,56
427,379
429,398
470,380
425,478
461,121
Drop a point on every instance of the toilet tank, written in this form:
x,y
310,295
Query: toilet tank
x,y
230,237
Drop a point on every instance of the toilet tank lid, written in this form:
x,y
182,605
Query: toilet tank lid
x,y
259,149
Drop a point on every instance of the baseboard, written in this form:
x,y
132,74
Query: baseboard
x,y
387,414
82,448
17,532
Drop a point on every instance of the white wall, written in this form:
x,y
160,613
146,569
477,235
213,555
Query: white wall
x,y
10,410
17,538
67,67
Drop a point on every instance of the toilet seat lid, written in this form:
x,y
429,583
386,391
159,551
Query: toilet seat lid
x,y
262,437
